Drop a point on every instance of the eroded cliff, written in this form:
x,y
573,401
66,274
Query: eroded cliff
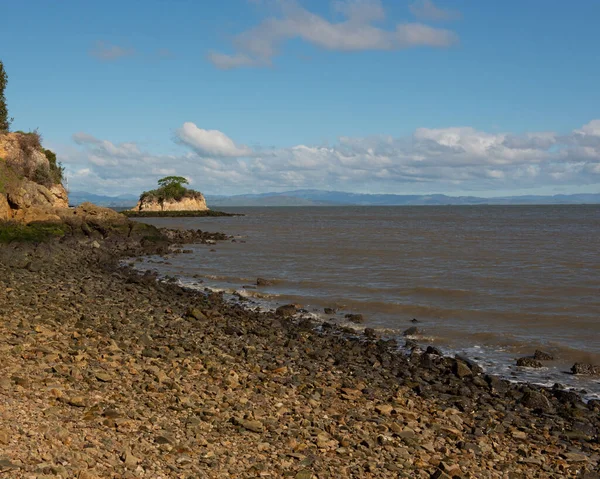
x,y
192,202
30,180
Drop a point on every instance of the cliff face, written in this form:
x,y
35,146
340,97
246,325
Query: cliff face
x,y
196,203
28,190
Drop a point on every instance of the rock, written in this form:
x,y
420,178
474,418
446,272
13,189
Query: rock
x,y
461,369
196,314
434,351
76,401
6,464
130,460
384,409
537,401
19,381
95,215
370,333
575,457
439,474
330,310
87,474
163,439
585,369
412,331
497,385
594,404
542,356
286,310
406,433
103,377
529,362
355,318
250,425
263,282
34,214
304,474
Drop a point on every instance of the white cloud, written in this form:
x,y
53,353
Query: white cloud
x,y
427,10
107,52
592,128
356,32
441,159
209,143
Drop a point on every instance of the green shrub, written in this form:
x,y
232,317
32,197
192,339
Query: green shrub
x,y
42,176
57,170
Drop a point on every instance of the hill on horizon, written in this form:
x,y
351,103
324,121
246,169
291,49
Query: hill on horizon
x,y
341,198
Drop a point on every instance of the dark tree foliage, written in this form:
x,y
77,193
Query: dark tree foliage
x,y
4,119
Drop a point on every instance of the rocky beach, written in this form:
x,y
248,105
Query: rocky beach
x,y
106,373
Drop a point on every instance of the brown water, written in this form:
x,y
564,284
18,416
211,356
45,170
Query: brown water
x,y
491,282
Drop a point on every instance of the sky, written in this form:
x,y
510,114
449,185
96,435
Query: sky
x,y
463,97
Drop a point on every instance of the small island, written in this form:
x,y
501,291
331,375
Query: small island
x,y
172,198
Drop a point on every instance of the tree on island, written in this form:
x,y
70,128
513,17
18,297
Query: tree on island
x,y
170,188
4,119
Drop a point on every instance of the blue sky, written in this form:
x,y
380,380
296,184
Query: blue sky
x,y
417,96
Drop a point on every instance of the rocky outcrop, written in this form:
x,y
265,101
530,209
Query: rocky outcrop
x,y
22,152
187,203
27,192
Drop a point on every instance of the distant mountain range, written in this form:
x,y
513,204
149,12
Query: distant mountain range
x,y
78,197
340,198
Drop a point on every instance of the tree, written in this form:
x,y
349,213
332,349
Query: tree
x,y
170,181
171,188
4,120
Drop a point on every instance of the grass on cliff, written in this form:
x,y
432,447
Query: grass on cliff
x,y
31,233
8,178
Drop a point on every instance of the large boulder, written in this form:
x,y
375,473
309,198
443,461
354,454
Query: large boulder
x,y
585,369
97,214
60,198
35,215
29,194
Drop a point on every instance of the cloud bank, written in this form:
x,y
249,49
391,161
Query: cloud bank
x,y
357,31
108,52
427,10
441,160
209,143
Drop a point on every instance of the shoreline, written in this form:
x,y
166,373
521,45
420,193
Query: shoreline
x,y
219,389
176,214
546,372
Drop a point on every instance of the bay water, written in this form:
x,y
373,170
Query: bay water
x,y
493,283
